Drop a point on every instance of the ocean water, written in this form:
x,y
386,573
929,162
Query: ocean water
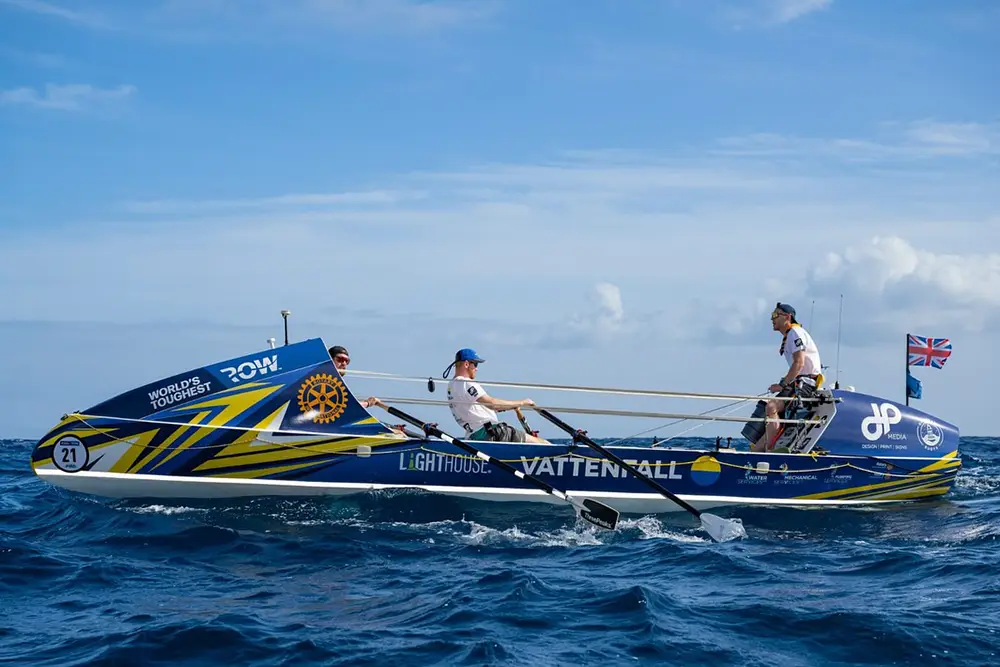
x,y
412,579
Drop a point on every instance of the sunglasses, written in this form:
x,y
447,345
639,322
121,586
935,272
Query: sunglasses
x,y
342,359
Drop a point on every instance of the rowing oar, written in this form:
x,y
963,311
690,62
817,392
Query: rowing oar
x,y
718,528
524,422
590,510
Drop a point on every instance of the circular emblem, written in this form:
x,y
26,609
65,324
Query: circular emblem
x,y
930,435
70,454
705,471
322,398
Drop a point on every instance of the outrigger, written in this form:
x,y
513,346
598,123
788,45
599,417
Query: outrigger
x,y
282,421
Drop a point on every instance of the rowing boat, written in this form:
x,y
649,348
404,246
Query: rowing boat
x,y
283,422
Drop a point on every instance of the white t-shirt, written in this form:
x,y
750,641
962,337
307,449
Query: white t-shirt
x,y
798,339
463,395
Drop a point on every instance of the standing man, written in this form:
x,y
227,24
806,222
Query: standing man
x,y
804,374
474,409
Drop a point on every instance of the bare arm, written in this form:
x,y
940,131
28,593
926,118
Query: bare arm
x,y
798,361
500,404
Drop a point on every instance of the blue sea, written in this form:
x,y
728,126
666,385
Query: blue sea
x,y
411,579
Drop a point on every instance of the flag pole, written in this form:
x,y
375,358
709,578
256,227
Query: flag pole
x,y
906,377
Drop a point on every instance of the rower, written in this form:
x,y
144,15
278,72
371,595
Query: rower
x,y
341,360
474,409
804,374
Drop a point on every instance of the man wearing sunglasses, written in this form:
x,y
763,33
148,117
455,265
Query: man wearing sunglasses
x,y
804,374
342,359
474,409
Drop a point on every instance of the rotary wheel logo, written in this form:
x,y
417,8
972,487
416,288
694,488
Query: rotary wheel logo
x,y
322,398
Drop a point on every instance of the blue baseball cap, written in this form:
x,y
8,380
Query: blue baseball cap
x,y
468,354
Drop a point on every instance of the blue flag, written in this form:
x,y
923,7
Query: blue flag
x,y
913,386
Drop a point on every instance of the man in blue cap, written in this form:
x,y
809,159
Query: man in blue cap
x,y
804,374
474,409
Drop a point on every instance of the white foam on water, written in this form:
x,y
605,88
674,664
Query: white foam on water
x,y
165,509
975,482
652,528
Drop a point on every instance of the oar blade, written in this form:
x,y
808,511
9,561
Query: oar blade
x,y
722,530
599,514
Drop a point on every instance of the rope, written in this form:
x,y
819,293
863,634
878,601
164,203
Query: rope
x,y
569,454
312,447
584,389
679,421
620,413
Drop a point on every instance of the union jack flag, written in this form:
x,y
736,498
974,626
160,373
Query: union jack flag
x,y
924,351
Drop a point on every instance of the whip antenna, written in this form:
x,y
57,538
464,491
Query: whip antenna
x,y
840,318
284,315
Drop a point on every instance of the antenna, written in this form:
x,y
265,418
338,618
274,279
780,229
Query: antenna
x,y
270,342
840,318
812,310
285,314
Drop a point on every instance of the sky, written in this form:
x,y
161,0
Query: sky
x,y
586,192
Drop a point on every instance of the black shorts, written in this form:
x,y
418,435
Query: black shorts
x,y
498,432
800,389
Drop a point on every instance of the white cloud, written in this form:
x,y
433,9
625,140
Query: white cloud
x,y
647,270
890,287
269,19
71,97
783,11
955,138
689,239
57,11
601,323
36,58
918,140
287,202
764,13
419,15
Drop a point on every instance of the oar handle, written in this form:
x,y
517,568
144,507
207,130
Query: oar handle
x,y
581,436
524,422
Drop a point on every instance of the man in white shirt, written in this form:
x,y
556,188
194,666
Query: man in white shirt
x,y
474,409
804,374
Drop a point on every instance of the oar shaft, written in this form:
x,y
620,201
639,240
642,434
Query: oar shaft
x,y
579,435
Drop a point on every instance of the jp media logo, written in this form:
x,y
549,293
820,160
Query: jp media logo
x,y
883,418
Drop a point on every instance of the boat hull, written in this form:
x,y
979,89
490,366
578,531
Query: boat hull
x,y
284,423
132,465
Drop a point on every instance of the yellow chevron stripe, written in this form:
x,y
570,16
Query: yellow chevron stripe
x,y
244,443
928,492
935,480
180,431
232,405
254,474
948,461
874,489
142,440
289,451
